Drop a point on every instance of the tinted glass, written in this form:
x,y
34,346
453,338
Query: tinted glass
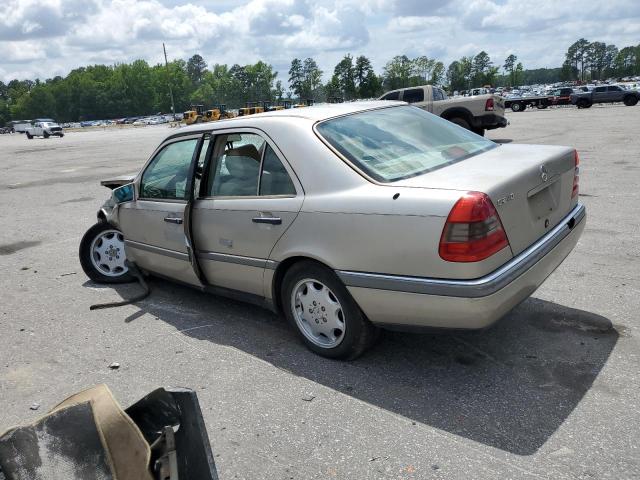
x,y
392,96
614,88
400,142
601,89
414,95
274,180
166,175
237,168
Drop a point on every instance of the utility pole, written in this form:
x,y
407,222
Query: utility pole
x,y
166,63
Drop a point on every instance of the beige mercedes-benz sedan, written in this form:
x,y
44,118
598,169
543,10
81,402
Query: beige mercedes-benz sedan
x,y
345,218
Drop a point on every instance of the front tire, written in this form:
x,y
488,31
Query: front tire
x,y
45,134
323,312
517,107
102,255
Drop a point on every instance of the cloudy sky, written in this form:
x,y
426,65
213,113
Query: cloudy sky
x,y
47,38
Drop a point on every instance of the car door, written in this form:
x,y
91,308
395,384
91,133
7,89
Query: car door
x,y
600,94
614,93
154,223
248,198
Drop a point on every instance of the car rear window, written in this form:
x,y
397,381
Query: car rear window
x,y
395,143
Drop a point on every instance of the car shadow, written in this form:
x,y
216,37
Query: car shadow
x,y
510,386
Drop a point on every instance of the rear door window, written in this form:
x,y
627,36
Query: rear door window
x,y
236,169
413,95
274,179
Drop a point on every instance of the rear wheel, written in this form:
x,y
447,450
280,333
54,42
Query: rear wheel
x,y
323,312
102,254
29,136
630,100
478,131
583,103
517,107
461,122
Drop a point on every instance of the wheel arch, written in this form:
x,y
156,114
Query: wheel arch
x,y
282,269
458,112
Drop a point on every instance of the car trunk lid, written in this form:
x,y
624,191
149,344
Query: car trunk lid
x,y
530,186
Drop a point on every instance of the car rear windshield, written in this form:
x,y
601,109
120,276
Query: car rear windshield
x,y
395,143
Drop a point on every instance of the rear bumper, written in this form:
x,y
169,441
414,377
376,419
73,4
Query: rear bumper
x,y
431,302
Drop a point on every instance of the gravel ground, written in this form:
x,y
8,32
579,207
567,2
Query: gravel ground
x,y
551,391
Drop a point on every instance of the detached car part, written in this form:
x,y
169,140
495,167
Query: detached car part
x,y
90,437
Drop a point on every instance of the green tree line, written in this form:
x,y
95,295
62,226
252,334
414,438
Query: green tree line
x,y
137,88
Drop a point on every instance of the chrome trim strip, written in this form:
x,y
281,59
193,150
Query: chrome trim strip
x,y
158,250
480,287
238,259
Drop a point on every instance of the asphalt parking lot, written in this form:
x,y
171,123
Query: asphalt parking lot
x,y
551,391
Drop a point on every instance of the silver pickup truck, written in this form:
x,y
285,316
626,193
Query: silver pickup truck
x,y
605,94
477,113
44,129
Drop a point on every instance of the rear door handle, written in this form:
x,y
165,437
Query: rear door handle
x,y
268,220
175,220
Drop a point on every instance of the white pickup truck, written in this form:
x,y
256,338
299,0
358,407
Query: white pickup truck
x,y
478,113
44,129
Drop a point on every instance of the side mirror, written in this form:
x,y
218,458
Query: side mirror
x,y
123,194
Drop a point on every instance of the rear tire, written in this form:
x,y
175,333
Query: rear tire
x,y
102,255
461,122
583,103
324,314
29,136
478,131
517,107
630,100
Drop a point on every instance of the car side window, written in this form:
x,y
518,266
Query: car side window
x,y
392,96
413,95
614,88
437,94
166,176
236,165
274,179
601,89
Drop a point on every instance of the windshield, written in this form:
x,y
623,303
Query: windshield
x,y
395,143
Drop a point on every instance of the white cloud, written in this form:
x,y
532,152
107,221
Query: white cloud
x,y
44,39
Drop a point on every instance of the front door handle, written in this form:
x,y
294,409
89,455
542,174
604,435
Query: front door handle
x,y
268,220
175,220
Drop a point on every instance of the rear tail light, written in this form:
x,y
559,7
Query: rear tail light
x,y
473,230
576,176
488,106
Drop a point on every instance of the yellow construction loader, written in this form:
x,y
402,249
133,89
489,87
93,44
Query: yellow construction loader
x,y
197,114
250,108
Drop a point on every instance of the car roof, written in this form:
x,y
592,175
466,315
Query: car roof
x,y
316,113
